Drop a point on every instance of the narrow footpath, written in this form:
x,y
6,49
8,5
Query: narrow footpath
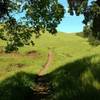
x,y
42,90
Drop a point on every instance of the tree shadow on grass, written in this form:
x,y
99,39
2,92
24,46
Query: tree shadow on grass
x,y
17,87
79,80
24,86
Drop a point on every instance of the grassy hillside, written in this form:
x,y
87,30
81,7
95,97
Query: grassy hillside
x,y
74,71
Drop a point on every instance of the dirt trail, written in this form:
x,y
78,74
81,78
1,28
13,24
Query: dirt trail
x,y
47,64
42,90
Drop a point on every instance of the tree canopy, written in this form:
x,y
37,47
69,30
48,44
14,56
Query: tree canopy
x,y
42,15
91,14
39,15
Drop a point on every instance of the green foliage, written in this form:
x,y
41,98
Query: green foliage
x,y
4,4
77,6
7,7
40,15
17,87
16,35
93,41
44,15
87,31
91,16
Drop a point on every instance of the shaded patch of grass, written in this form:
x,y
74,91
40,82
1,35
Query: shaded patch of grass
x,y
17,87
78,80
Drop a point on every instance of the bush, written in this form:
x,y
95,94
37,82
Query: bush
x,y
87,31
93,41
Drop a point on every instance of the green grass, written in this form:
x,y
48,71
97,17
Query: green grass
x,y
74,71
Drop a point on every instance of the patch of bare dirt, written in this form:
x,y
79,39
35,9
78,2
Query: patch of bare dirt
x,y
19,65
12,67
32,54
13,54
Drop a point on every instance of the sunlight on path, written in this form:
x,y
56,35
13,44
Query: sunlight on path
x,y
47,64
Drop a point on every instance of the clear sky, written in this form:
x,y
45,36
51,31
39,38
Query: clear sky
x,y
70,23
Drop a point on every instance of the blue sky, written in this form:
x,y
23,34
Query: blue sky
x,y
70,23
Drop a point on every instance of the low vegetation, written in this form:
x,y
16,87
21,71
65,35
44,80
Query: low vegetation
x,y
74,72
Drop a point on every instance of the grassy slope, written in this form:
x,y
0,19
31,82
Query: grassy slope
x,y
65,47
71,54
